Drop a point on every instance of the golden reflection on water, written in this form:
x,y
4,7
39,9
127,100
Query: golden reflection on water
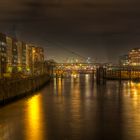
x,y
131,109
55,86
58,86
87,84
75,104
75,86
34,126
131,89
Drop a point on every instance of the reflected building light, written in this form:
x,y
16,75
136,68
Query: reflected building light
x,y
138,85
132,84
129,92
55,86
135,92
87,85
75,85
87,76
7,130
72,82
34,119
135,97
60,87
128,84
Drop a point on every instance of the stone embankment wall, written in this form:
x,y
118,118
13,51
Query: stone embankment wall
x,y
12,89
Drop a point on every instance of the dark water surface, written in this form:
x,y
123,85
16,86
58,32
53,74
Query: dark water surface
x,y
75,109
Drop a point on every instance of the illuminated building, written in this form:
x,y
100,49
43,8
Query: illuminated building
x,y
134,56
14,56
19,51
17,56
24,50
38,60
3,55
9,54
22,56
29,58
124,60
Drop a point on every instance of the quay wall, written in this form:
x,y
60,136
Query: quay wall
x,y
13,89
118,73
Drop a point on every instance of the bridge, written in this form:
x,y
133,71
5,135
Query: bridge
x,y
101,71
62,69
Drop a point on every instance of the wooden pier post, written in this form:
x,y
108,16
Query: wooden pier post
x,y
100,75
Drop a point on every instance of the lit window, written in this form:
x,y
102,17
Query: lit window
x,y
3,59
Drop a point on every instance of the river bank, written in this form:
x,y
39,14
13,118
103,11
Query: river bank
x,y
13,89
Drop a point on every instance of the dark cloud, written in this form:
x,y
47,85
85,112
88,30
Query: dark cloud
x,y
102,29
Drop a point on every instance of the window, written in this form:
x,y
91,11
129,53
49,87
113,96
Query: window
x,y
14,49
15,61
3,59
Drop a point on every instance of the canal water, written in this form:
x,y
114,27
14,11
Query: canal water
x,y
75,109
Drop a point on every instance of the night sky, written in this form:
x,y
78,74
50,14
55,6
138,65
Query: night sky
x,y
100,29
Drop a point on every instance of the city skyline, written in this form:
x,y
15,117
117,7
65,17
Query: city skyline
x,y
69,69
102,30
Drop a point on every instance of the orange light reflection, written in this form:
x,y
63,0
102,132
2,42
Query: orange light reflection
x,y
34,120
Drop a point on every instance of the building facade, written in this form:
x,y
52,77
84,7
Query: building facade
x,y
3,54
134,57
9,42
29,58
19,57
19,51
124,60
38,60
14,56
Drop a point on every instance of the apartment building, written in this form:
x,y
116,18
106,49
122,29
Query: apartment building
x,y
17,56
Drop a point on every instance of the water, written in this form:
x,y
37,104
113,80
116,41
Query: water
x,y
75,109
